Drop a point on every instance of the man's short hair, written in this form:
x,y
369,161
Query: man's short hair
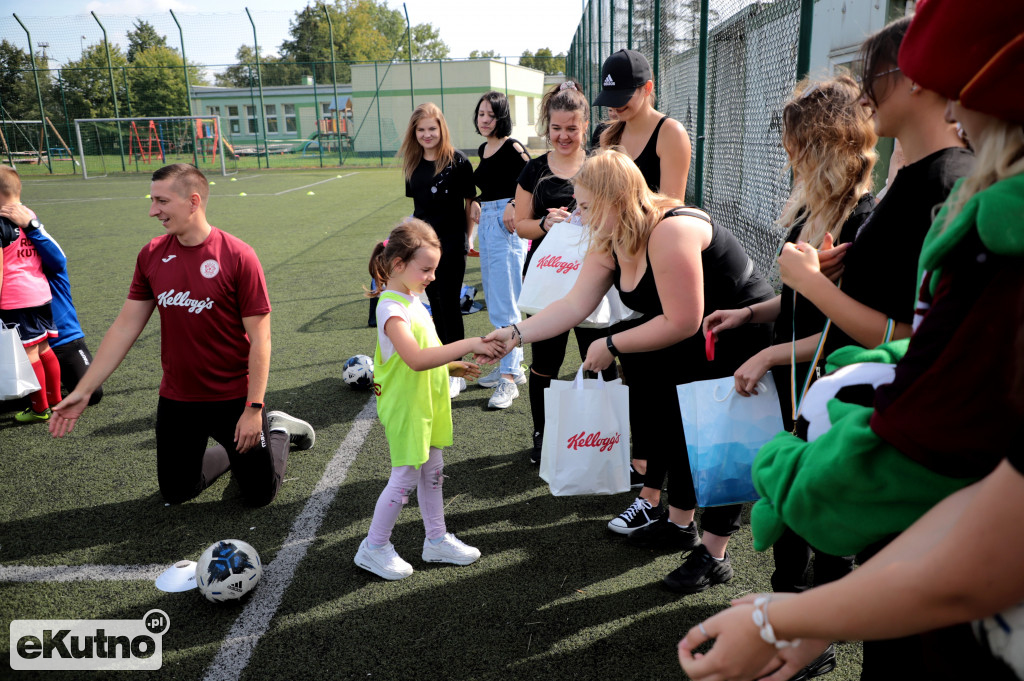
x,y
186,180
10,183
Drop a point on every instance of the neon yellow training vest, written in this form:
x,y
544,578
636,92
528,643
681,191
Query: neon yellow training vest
x,y
414,406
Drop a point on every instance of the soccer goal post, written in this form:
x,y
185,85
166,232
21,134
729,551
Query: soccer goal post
x,y
144,144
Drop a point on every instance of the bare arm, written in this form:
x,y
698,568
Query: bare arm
x,y
674,152
113,348
250,423
527,226
422,359
939,572
751,371
799,268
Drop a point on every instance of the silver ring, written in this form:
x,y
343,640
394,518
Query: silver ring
x,y
703,630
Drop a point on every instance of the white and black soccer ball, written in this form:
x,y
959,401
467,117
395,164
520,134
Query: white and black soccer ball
x,y
358,372
228,570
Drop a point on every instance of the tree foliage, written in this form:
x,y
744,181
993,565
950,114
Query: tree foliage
x,y
141,38
17,88
543,60
486,54
87,82
274,70
157,83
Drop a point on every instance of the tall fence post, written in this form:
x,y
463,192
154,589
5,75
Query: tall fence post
x,y
412,88
113,91
334,82
261,118
440,71
702,86
184,66
657,44
629,24
380,132
803,52
39,95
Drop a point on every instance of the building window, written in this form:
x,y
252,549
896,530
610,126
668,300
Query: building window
x,y
290,124
326,108
250,113
213,110
271,118
235,126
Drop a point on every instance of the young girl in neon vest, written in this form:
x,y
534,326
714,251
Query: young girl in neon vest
x,y
411,371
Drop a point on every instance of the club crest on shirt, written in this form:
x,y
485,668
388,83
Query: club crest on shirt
x,y
209,269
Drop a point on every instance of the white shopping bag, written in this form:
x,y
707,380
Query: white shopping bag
x,y
586,437
16,376
723,431
553,270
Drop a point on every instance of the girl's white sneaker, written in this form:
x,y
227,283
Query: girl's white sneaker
x,y
383,562
451,549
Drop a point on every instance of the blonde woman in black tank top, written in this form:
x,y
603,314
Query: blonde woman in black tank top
x,y
658,144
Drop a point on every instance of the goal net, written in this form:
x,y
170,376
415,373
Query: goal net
x,y
142,145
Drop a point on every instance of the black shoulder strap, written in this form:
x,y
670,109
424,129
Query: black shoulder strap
x,y
687,212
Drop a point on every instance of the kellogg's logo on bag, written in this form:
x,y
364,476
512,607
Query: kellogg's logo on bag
x,y
584,439
555,261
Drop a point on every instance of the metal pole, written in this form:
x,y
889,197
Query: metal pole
x,y
629,25
64,103
319,132
334,81
113,91
127,92
611,28
259,74
600,11
380,133
440,70
702,85
803,52
184,66
252,99
590,65
412,88
657,43
39,95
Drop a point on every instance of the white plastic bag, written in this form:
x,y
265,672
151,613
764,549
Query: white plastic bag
x,y
586,437
553,270
723,431
17,379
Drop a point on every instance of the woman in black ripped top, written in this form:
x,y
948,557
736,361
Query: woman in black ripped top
x,y
657,144
671,264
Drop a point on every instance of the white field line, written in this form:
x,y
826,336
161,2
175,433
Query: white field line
x,y
255,618
79,573
329,179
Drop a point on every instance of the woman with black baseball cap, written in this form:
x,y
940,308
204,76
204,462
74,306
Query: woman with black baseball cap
x,y
657,144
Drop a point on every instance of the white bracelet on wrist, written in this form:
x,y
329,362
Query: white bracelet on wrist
x,y
760,617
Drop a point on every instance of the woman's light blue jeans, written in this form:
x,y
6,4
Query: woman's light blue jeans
x,y
501,268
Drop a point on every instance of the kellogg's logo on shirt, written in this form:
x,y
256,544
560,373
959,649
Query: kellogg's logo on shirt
x,y
182,299
562,266
585,439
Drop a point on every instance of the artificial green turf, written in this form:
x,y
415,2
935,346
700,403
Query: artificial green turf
x,y
554,595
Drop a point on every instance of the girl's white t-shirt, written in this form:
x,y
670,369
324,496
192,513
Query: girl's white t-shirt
x,y
386,309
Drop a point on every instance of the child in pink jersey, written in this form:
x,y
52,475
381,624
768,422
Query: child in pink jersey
x,y
25,296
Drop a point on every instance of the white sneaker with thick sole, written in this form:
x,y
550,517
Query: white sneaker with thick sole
x,y
492,379
451,549
300,433
503,395
456,385
383,562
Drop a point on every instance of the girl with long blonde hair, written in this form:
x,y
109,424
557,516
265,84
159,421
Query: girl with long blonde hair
x,y
439,179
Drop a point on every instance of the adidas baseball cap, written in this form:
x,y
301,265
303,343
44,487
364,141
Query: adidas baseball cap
x,y
621,74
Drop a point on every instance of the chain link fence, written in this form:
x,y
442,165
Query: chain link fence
x,y
726,84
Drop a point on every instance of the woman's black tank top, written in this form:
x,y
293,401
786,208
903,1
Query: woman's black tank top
x,y
648,161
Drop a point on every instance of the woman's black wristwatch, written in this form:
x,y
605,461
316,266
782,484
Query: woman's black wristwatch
x,y
611,346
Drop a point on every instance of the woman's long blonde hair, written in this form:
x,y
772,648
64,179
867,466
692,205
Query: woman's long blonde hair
x,y
411,151
830,141
999,155
623,211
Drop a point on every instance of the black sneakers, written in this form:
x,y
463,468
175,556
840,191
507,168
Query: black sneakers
x,y
640,513
538,443
822,664
665,535
699,572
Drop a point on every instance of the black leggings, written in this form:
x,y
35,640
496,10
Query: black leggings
x,y
185,467
74,358
444,294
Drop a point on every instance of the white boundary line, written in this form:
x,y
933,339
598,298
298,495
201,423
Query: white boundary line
x,y
329,179
255,618
79,573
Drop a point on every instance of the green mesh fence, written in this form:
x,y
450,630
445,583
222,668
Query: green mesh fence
x,y
737,166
